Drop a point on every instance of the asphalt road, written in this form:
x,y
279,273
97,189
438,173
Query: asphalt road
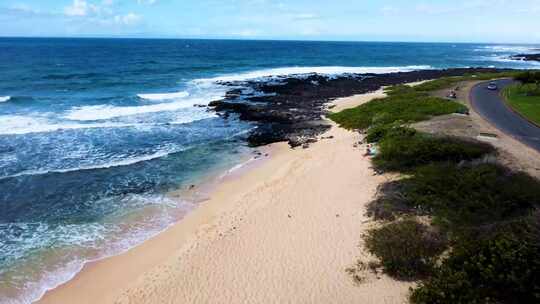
x,y
490,105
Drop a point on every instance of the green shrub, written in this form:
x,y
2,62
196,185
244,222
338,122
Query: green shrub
x,y
472,196
402,150
406,249
409,107
392,203
460,198
378,132
504,269
529,77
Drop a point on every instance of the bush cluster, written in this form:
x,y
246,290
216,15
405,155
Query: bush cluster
x,y
490,217
407,249
402,149
462,198
529,77
502,269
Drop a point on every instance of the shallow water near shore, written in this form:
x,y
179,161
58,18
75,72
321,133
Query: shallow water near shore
x,y
96,133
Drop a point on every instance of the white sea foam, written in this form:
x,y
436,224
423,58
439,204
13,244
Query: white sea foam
x,y
118,163
509,49
523,64
5,98
19,125
104,112
117,238
16,125
323,70
164,96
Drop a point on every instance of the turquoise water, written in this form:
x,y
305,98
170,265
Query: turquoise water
x,y
94,134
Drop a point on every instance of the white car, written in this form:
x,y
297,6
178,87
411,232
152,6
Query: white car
x,y
492,86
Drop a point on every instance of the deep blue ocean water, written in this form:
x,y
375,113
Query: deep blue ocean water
x,y
94,134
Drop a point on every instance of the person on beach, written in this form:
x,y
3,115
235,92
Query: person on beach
x,y
368,151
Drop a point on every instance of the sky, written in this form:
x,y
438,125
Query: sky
x,y
357,20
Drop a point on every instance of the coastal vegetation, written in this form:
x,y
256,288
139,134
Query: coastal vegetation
x,y
403,149
463,225
448,82
405,104
407,249
524,97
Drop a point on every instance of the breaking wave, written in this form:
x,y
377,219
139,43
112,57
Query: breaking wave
x,y
322,70
163,96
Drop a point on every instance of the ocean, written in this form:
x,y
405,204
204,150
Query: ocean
x,y
95,134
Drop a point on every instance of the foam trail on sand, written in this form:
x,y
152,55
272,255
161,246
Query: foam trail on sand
x,y
163,96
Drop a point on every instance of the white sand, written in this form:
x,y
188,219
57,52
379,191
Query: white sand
x,y
353,101
282,232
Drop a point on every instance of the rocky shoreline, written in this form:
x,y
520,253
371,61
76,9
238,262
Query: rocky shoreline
x,y
526,57
292,108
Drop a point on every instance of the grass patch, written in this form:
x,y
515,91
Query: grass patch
x,y
403,104
447,82
402,149
407,249
409,104
525,99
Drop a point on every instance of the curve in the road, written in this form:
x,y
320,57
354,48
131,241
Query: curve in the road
x,y
490,105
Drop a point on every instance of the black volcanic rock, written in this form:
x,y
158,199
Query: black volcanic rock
x,y
526,57
292,108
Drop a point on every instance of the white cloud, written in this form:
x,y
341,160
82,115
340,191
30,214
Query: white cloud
x,y
80,8
104,14
128,19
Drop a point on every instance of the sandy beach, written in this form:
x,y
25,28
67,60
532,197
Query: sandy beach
x,y
284,231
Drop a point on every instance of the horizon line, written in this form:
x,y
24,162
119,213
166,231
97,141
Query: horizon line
x,y
126,37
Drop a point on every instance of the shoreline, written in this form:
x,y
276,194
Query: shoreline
x,y
232,214
188,199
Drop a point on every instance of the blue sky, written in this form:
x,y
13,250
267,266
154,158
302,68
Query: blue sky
x,y
398,20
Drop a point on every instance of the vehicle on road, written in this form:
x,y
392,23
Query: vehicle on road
x,y
492,86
